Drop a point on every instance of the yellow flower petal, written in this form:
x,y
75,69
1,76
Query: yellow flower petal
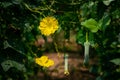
x,y
44,61
49,63
48,26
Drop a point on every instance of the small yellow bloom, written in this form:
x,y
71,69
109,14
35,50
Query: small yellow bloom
x,y
44,61
48,25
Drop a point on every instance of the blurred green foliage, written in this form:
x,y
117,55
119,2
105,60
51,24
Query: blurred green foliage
x,y
19,21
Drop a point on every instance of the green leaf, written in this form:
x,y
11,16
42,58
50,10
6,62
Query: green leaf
x,y
17,1
99,78
6,4
116,61
91,38
6,44
104,22
116,14
14,45
91,24
107,2
80,37
7,64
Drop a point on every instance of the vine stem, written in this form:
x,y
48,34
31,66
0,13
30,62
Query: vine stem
x,y
86,36
56,48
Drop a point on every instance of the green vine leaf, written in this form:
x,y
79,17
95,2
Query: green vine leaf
x,y
12,45
116,61
104,22
7,64
6,4
107,2
80,38
91,24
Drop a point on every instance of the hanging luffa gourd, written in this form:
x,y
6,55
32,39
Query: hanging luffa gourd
x,y
66,72
86,50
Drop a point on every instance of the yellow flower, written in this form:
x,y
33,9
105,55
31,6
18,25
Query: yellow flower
x,y
48,25
44,61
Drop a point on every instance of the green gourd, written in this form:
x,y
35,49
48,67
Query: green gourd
x,y
86,51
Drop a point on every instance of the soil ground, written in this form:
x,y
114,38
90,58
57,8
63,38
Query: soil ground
x,y
77,71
